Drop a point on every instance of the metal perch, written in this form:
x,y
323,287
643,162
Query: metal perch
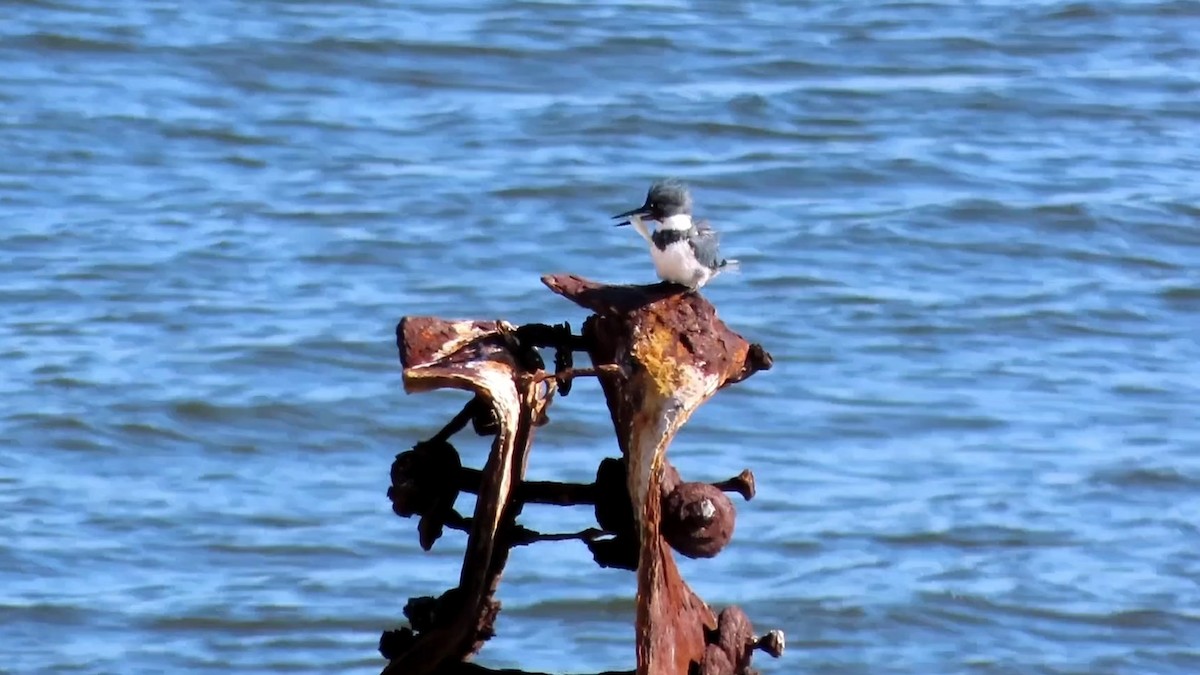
x,y
659,353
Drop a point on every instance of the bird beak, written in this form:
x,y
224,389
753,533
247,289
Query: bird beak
x,y
640,212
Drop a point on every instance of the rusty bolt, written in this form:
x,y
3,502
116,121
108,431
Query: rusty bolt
x,y
421,612
614,509
424,478
425,483
393,643
427,612
743,484
772,643
697,520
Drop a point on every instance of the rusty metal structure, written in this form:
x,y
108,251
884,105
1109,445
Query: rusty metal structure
x,y
658,352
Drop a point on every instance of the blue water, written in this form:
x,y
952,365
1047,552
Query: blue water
x,y
969,235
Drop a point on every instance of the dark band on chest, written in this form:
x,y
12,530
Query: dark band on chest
x,y
664,238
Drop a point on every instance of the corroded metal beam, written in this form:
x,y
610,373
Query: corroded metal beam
x,y
673,354
475,356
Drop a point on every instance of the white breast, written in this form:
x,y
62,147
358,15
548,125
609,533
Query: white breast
x,y
676,264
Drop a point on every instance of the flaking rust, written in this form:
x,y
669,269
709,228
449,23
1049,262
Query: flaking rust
x,y
658,353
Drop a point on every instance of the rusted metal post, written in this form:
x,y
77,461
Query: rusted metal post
x,y
675,354
476,357
658,353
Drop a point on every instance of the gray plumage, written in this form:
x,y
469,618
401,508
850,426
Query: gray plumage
x,y
706,245
667,198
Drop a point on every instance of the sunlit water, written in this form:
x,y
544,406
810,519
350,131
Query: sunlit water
x,y
969,235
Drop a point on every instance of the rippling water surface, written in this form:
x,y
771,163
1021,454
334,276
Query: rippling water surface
x,y
969,235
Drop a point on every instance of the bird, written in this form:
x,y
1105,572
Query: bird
x,y
684,251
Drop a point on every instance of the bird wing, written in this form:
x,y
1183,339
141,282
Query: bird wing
x,y
705,244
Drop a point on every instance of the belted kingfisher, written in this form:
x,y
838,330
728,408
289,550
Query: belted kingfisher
x,y
684,252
